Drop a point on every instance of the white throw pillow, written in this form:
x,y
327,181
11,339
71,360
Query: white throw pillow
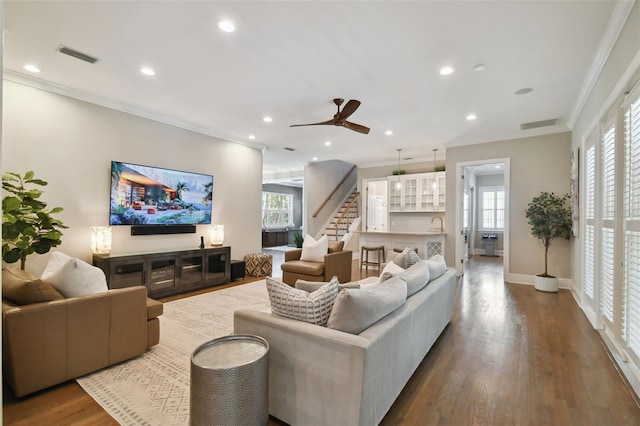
x,y
72,277
356,310
293,303
314,251
389,270
437,266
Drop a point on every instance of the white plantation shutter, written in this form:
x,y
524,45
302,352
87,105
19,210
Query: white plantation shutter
x,y
631,226
589,245
631,324
606,273
607,216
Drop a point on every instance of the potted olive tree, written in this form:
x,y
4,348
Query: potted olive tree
x,y
27,226
550,217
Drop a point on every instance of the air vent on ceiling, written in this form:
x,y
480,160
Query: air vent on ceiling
x,y
536,124
82,56
289,149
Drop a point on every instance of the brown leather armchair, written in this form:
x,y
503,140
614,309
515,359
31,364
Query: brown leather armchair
x,y
337,262
47,343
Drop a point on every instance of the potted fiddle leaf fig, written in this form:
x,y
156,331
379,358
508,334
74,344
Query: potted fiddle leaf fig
x,y
298,239
27,225
550,217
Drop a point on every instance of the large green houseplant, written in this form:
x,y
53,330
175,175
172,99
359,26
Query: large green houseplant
x,y
550,217
27,226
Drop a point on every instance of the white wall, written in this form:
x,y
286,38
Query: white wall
x,y
70,144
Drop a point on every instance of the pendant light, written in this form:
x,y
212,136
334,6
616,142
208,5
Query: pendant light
x,y
435,183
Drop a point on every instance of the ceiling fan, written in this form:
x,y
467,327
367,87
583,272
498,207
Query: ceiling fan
x,y
340,117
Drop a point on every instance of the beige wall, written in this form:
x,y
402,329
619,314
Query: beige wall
x,y
70,144
538,164
621,69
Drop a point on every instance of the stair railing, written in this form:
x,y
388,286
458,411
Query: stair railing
x,y
346,210
326,200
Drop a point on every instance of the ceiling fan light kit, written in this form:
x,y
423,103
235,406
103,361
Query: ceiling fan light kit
x,y
340,117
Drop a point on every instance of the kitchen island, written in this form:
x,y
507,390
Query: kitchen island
x,y
427,243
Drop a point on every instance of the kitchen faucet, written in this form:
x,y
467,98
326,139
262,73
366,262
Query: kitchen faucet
x,y
441,224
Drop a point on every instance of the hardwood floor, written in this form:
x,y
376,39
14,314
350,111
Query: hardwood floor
x,y
512,356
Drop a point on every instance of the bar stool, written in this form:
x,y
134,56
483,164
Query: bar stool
x,y
364,257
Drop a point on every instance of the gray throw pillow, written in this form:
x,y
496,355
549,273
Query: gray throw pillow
x,y
355,310
416,276
300,305
410,257
311,286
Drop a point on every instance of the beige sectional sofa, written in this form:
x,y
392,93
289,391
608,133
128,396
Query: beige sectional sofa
x,y
322,376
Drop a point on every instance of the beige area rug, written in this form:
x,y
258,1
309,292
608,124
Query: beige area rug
x,y
153,389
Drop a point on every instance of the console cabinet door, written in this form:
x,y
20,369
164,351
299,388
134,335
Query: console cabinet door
x,y
218,270
126,273
191,269
162,277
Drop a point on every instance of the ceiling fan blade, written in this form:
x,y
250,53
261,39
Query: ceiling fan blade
x,y
348,109
332,121
355,127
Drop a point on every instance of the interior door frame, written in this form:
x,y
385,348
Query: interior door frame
x,y
459,251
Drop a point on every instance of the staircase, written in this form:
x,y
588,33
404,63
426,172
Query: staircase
x,y
343,218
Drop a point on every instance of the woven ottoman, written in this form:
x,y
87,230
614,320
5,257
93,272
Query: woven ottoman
x,y
258,264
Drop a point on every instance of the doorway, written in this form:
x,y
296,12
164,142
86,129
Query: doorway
x,y
375,206
482,216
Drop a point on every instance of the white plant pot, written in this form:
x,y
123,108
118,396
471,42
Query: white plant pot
x,y
549,284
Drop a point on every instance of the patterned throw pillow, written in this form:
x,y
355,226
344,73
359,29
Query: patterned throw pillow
x,y
410,257
296,304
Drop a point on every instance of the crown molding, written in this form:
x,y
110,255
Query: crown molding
x,y
27,80
618,18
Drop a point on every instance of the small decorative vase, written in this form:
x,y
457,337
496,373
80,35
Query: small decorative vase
x,y
549,284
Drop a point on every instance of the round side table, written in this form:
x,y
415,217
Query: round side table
x,y
230,381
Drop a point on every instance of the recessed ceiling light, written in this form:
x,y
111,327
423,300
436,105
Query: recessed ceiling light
x,y
524,91
498,166
327,143
147,71
446,70
315,158
31,68
479,67
252,137
226,26
471,117
267,119
388,132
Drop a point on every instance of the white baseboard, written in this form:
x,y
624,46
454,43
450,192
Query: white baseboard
x,y
481,252
530,280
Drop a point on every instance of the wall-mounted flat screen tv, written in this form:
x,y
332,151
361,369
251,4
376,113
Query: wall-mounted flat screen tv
x,y
144,195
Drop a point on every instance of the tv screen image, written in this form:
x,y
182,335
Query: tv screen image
x,y
144,195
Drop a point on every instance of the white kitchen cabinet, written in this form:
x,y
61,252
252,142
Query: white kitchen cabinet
x,y
417,193
432,196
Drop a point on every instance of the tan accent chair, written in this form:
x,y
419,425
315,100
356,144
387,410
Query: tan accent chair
x,y
337,262
47,343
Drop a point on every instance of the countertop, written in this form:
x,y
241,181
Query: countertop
x,y
425,233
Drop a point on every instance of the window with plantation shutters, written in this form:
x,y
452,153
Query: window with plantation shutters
x,y
589,194
607,215
631,227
